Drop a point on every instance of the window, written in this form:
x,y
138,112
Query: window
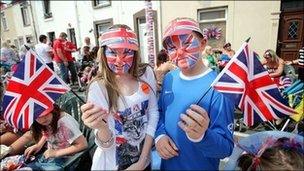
x,y
99,3
21,41
25,15
16,43
51,36
101,26
29,39
3,21
214,21
71,36
47,9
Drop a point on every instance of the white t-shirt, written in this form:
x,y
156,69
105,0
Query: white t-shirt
x,y
68,132
137,116
43,51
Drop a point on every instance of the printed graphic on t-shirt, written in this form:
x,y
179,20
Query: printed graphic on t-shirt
x,y
130,126
61,138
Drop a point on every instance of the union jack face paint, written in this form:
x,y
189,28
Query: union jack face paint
x,y
119,60
183,50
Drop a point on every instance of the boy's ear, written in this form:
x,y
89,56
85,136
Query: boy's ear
x,y
203,43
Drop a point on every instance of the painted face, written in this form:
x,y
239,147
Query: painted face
x,y
119,60
183,50
45,120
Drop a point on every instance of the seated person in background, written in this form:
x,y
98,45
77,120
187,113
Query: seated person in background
x,y
282,154
227,54
209,58
300,64
86,59
275,66
227,50
85,75
163,67
13,138
61,133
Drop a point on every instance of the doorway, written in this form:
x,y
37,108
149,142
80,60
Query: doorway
x,y
291,32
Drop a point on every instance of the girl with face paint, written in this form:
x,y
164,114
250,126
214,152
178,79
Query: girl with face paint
x,y
127,102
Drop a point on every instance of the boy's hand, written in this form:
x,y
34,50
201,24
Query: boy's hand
x,y
195,122
166,148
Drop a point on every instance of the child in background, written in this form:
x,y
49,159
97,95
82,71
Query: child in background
x,y
164,65
63,137
210,58
282,154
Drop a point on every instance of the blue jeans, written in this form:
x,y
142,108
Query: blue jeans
x,y
64,71
47,164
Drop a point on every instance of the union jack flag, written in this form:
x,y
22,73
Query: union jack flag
x,y
248,84
31,92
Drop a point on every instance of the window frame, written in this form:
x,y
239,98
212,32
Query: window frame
x,y
100,22
49,14
95,6
25,8
212,10
3,16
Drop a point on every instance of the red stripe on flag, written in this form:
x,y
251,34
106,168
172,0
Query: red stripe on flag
x,y
26,118
33,65
280,105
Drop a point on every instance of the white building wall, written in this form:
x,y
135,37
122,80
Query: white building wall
x,y
256,19
120,11
64,17
81,16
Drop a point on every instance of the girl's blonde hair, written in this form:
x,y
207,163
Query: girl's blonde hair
x,y
272,54
106,77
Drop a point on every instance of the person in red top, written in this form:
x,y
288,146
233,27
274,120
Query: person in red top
x,y
60,56
70,47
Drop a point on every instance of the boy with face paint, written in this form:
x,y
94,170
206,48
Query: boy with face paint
x,y
190,136
125,100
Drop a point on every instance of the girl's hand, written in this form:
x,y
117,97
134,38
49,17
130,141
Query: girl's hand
x,y
31,150
139,165
50,153
93,116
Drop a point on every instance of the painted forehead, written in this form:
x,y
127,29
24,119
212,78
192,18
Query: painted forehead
x,y
179,40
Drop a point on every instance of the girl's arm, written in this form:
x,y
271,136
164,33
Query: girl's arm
x,y
78,145
145,154
279,71
144,159
35,148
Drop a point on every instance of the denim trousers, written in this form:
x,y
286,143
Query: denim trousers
x,y
41,163
64,71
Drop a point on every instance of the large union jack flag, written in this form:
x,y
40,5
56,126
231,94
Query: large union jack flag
x,y
249,85
31,92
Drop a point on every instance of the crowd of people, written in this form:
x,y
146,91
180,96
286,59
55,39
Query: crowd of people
x,y
132,107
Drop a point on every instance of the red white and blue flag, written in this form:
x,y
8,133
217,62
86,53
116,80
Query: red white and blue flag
x,y
248,84
31,92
